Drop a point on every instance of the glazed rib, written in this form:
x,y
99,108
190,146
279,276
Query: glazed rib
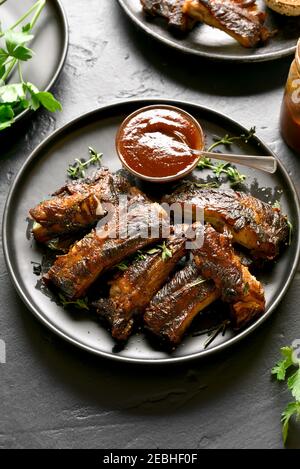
x,y
133,289
171,10
105,247
217,261
76,205
252,223
241,19
173,309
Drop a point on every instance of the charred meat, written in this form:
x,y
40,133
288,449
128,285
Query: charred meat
x,y
171,10
107,246
133,289
76,206
217,261
252,223
241,19
174,307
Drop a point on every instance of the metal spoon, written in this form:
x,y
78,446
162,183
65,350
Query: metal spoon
x,y
263,163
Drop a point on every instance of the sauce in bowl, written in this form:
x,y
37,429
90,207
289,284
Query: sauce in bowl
x,y
155,143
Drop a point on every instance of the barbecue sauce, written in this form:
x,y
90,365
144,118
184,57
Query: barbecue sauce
x,y
157,141
290,111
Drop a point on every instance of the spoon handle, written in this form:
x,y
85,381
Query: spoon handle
x,y
264,163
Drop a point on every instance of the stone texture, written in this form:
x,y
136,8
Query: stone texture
x,y
53,395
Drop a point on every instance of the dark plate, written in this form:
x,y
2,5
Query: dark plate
x,y
214,44
50,43
45,171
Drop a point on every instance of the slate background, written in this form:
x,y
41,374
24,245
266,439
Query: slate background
x,y
53,395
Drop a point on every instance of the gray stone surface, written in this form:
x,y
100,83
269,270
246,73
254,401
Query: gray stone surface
x,y
53,395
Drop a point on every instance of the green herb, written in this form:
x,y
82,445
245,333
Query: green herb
x,y
78,304
277,205
78,169
234,176
15,98
246,288
288,363
166,253
153,251
228,140
140,256
122,266
207,185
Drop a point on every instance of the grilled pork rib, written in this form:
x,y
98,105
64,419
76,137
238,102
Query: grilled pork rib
x,y
217,261
241,19
175,306
105,247
133,289
171,10
76,206
252,223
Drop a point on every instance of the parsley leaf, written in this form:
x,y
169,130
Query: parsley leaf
x,y
294,385
292,409
293,382
14,51
282,366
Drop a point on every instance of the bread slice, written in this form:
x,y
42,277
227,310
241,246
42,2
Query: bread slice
x,y
285,7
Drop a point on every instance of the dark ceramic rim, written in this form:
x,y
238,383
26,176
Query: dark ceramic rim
x,y
264,57
64,21
201,354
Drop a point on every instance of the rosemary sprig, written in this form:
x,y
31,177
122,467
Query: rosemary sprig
x,y
78,169
219,330
78,304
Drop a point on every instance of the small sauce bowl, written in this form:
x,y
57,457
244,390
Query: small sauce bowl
x,y
152,143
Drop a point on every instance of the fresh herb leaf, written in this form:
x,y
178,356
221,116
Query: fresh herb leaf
x,y
21,95
48,101
292,409
166,253
78,304
207,185
78,169
11,94
234,176
277,205
294,385
293,382
283,365
228,140
6,116
140,256
246,288
153,251
122,266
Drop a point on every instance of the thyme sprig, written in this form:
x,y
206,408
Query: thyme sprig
x,y
81,303
77,170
